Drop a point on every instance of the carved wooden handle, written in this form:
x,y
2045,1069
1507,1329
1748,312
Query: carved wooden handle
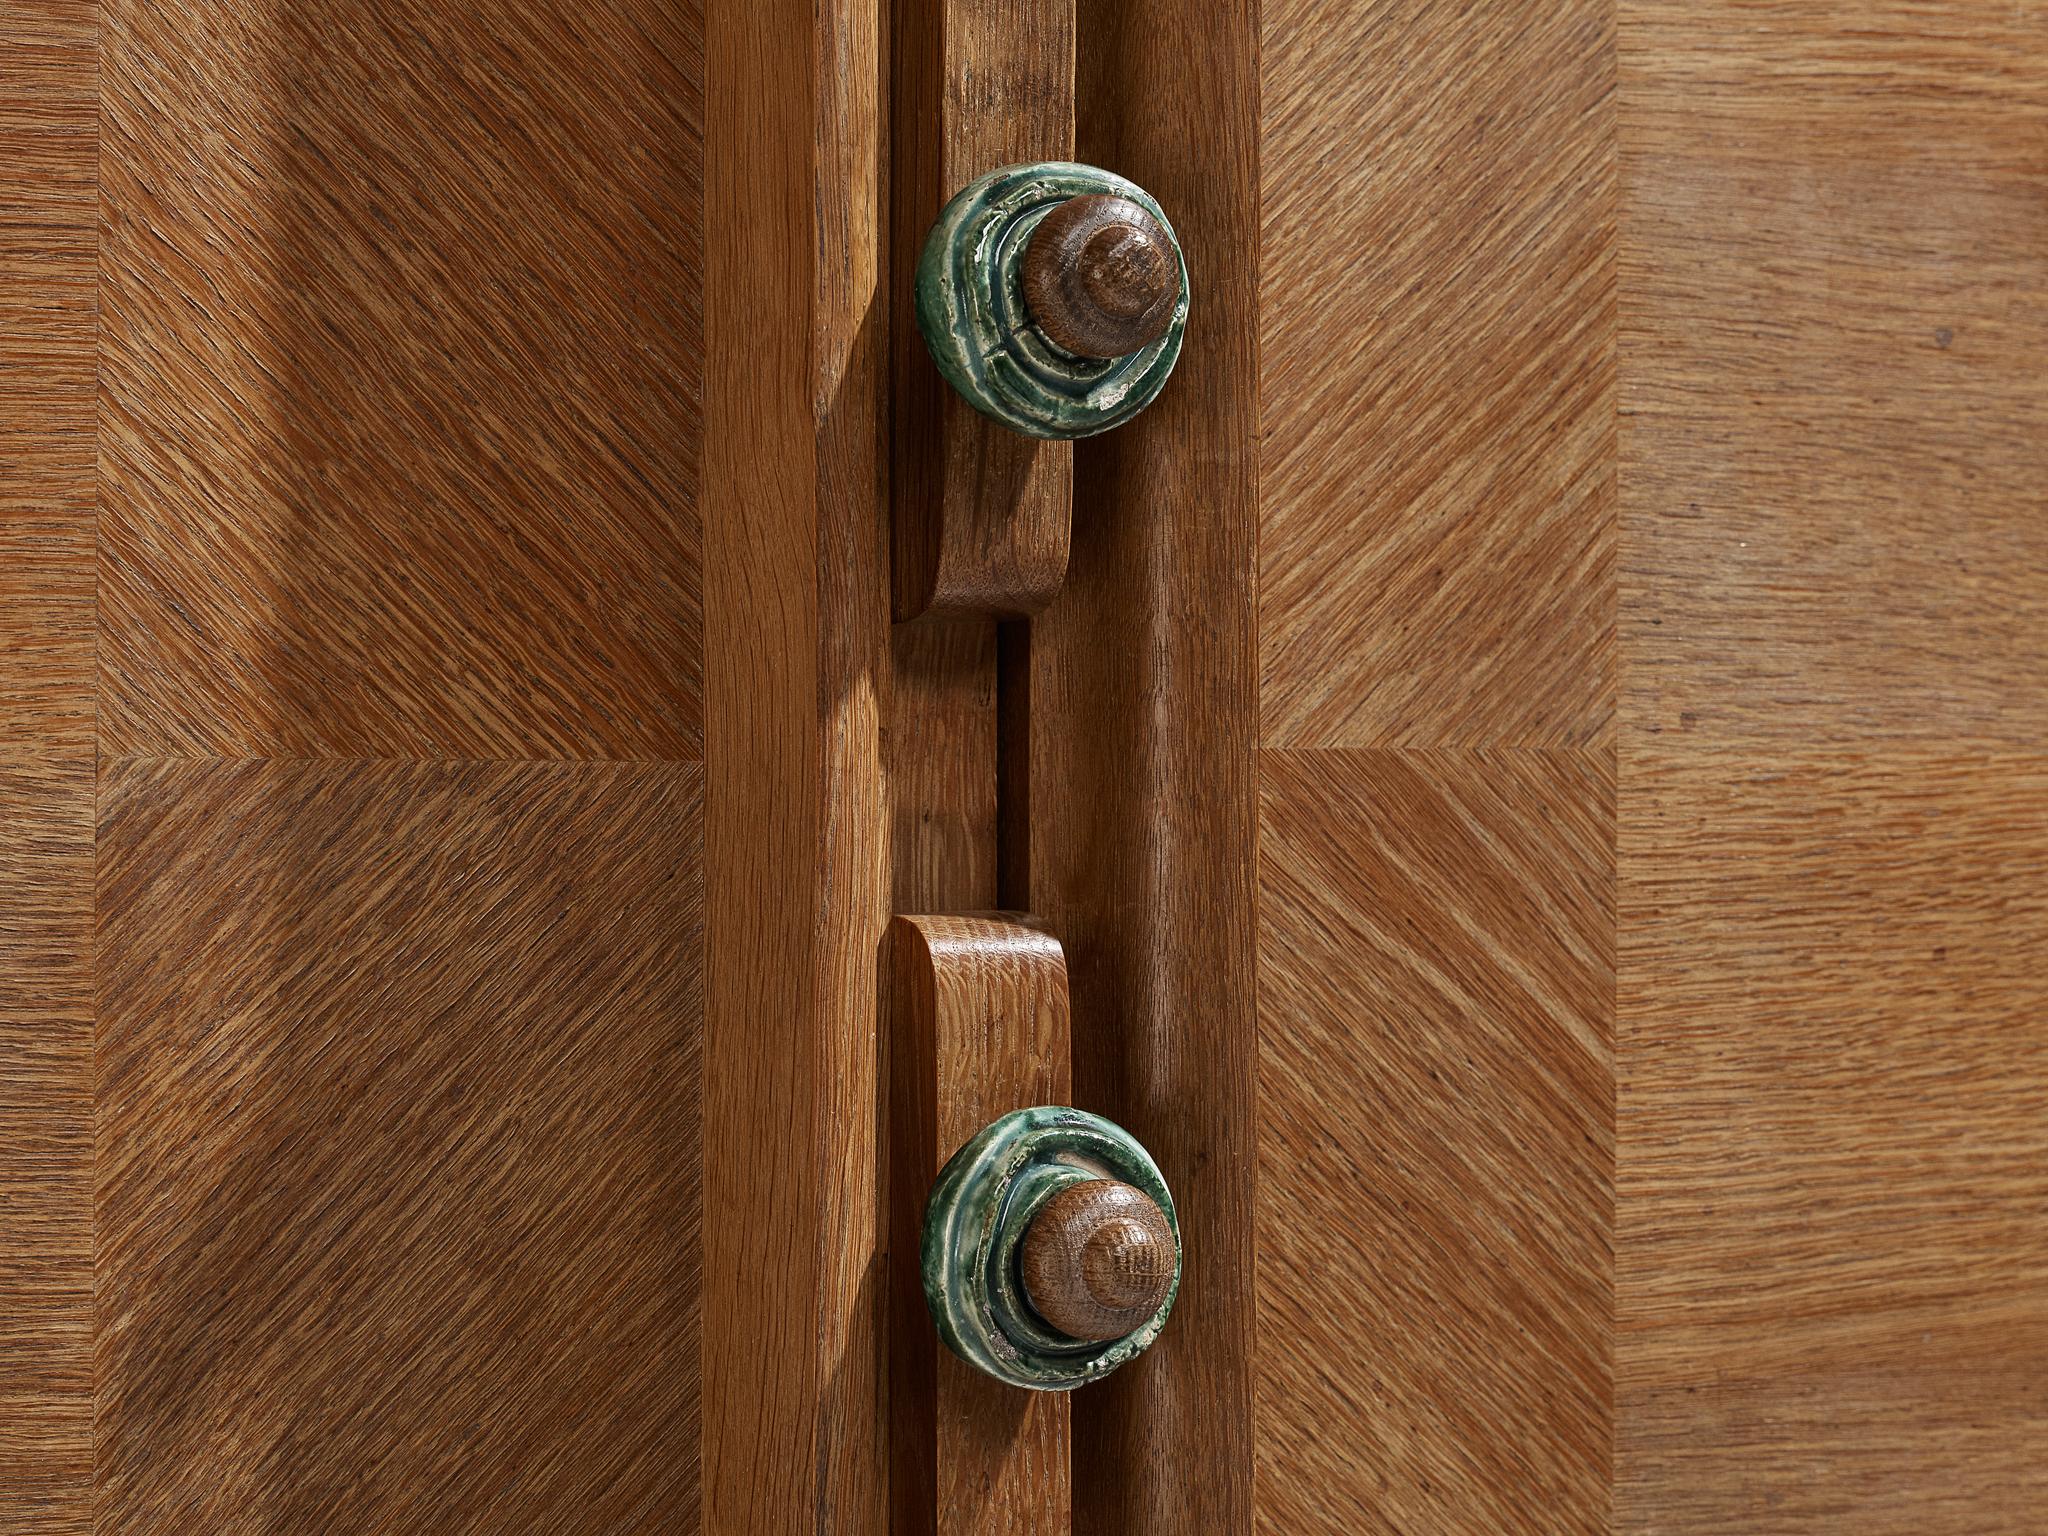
x,y
1101,276
1099,1259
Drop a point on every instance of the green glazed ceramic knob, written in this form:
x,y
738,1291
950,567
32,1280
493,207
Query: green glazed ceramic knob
x,y
1053,297
1051,1254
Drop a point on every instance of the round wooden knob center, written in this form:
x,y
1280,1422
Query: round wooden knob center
x,y
1100,276
1098,1260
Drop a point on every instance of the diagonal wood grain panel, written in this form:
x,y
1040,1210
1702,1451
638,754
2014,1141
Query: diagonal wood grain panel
x,y
397,1173
1436,542
1833,1237
1834,314
1436,1141
401,364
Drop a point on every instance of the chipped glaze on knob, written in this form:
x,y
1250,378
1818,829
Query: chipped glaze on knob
x,y
1101,277
1007,359
1017,1300
1098,1260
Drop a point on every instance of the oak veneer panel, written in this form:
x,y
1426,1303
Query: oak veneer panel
x,y
48,228
45,1145
401,364
1834,263
48,223
1437,302
1436,1141
1833,1259
396,1098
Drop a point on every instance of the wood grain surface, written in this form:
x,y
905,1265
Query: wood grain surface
x,y
1830,1295
396,1146
49,146
378,327
400,362
1835,430
46,1235
796,815
980,1026
1135,760
48,218
1833,1262
380,336
1437,558
981,512
1436,548
1436,1141
851,861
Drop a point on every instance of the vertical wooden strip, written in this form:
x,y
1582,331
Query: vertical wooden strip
x,y
796,602
45,1145
761,1055
1144,715
1437,555
943,858
851,316
48,294
976,84
981,1013
49,144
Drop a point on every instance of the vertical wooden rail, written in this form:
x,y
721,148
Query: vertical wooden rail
x,y
796,600
1137,741
976,84
49,249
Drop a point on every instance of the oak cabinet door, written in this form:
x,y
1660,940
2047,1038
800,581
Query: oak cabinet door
x,y
1525,758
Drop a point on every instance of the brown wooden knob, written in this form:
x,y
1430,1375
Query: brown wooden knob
x,y
1098,1260
1101,277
